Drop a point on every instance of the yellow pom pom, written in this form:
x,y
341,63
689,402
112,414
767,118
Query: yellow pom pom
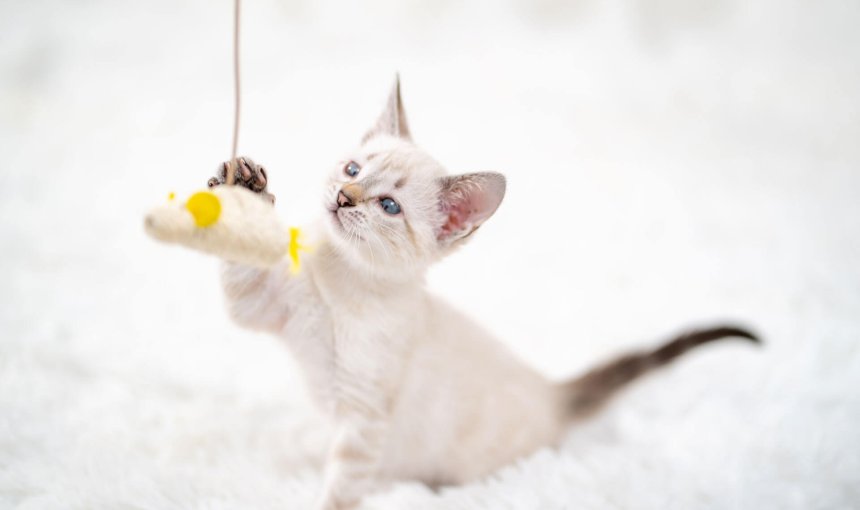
x,y
171,196
205,207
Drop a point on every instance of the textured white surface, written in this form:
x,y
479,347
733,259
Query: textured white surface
x,y
668,163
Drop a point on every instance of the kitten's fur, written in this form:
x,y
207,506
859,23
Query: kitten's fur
x,y
415,388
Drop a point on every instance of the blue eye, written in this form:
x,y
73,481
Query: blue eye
x,y
351,169
389,206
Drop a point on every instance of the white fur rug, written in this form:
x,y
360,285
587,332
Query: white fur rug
x,y
670,163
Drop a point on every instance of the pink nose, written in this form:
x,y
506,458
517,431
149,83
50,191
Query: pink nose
x,y
343,200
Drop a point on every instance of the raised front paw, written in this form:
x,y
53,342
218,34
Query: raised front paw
x,y
247,174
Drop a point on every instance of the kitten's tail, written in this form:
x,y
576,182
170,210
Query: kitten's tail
x,y
589,392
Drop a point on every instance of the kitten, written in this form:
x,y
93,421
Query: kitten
x,y
416,390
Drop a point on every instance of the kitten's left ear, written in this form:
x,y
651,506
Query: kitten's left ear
x,y
466,202
392,120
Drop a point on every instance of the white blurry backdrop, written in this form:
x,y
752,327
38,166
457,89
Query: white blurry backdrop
x,y
670,162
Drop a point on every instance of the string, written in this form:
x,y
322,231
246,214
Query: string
x,y
231,166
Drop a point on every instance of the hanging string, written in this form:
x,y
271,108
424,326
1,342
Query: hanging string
x,y
231,167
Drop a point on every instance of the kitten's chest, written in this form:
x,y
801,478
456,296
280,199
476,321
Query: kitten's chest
x,y
364,317
368,337
351,343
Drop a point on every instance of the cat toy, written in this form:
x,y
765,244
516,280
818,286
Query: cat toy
x,y
233,222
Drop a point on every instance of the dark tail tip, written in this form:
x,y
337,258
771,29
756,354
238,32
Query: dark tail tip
x,y
693,338
732,331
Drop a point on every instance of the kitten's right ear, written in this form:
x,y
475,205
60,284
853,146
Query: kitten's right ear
x,y
466,202
392,120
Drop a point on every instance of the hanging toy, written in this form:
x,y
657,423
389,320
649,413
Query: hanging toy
x,y
231,222
233,219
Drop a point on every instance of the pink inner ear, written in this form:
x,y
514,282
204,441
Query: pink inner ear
x,y
468,200
457,215
467,209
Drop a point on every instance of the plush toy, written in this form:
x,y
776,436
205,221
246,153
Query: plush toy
x,y
233,219
232,222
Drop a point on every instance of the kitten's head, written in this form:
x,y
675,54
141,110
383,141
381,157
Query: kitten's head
x,y
393,211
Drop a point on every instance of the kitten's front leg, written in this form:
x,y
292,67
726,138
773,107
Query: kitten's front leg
x,y
353,463
261,299
257,298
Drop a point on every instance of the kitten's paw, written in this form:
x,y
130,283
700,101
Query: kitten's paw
x,y
248,174
332,504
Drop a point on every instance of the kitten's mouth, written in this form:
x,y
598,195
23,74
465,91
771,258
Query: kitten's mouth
x,y
338,222
342,227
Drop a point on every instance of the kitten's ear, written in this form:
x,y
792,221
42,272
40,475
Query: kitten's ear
x,y
392,120
466,202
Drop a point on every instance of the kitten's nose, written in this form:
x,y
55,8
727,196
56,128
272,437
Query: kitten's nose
x,y
344,200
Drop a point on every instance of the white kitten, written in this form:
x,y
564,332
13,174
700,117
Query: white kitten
x,y
416,390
